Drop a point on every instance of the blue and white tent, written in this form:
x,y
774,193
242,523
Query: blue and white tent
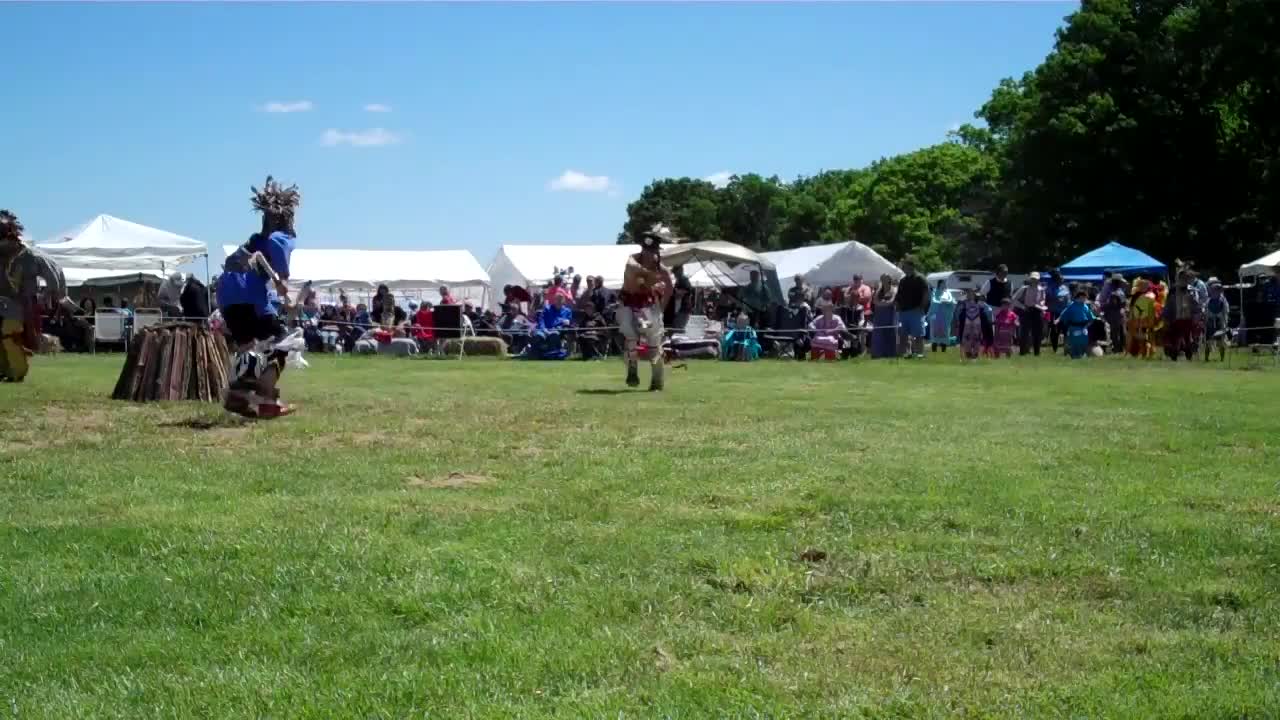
x,y
1112,257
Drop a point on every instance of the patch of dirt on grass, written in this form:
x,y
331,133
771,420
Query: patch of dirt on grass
x,y
452,480
1261,506
663,659
82,418
228,422
813,555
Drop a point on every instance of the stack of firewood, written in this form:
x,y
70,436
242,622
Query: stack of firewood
x,y
175,361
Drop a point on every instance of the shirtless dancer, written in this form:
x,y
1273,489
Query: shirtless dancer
x,y
646,285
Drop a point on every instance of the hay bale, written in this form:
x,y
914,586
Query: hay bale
x,y
485,346
175,361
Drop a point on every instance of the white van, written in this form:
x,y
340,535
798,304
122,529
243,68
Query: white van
x,y
958,281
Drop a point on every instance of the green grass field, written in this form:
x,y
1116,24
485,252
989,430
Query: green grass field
x,y
501,539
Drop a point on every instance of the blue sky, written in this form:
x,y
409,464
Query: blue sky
x,y
160,113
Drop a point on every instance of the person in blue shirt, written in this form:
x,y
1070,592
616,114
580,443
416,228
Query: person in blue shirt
x,y
1057,295
554,318
1075,320
252,292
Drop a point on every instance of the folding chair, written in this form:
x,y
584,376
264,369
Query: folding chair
x,y
109,327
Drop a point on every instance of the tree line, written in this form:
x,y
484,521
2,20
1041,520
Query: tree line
x,y
1155,123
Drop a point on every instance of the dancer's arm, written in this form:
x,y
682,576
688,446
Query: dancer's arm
x,y
259,262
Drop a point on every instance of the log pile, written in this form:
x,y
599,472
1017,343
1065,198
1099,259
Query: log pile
x,y
176,361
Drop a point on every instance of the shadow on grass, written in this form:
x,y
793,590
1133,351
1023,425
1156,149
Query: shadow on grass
x,y
605,391
199,423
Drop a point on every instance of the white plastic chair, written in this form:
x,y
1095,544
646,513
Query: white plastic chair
x,y
695,329
145,318
108,327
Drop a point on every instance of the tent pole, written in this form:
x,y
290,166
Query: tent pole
x,y
208,283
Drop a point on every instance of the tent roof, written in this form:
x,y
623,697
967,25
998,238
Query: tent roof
x,y
713,250
111,243
90,277
395,268
834,264
1261,266
538,263
1110,257
820,265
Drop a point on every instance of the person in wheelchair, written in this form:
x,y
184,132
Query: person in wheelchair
x,y
554,321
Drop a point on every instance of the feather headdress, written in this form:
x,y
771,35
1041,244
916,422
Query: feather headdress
x,y
276,200
10,227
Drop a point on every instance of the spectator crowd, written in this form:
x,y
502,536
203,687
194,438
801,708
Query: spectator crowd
x,y
575,316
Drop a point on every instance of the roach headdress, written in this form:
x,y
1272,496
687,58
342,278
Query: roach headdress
x,y
10,228
276,201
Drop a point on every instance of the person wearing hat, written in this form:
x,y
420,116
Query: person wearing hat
x,y
1113,301
1141,319
1181,313
1057,295
1216,321
646,286
1029,302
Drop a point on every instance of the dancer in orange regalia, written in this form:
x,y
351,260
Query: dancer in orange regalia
x,y
1142,318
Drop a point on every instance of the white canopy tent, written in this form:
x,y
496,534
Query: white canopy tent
x,y
820,266
526,265
1262,266
90,277
408,273
109,243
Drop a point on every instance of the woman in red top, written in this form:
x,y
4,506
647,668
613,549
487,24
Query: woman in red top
x,y
424,327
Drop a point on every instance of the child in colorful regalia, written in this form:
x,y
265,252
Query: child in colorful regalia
x,y
973,326
1075,319
1006,328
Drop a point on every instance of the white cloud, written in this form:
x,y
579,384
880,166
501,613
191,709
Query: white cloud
x,y
719,179
574,181
289,107
373,137
377,107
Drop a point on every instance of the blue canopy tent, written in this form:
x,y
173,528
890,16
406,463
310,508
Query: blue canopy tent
x,y
1112,257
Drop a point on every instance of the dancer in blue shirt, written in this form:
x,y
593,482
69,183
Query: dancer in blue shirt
x,y
251,292
1076,319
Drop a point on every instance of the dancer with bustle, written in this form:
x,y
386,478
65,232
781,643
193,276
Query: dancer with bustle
x,y
252,291
21,268
19,323
646,285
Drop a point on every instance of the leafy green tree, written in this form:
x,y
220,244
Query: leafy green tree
x,y
688,206
751,211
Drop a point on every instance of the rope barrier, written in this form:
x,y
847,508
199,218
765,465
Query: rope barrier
x,y
580,328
